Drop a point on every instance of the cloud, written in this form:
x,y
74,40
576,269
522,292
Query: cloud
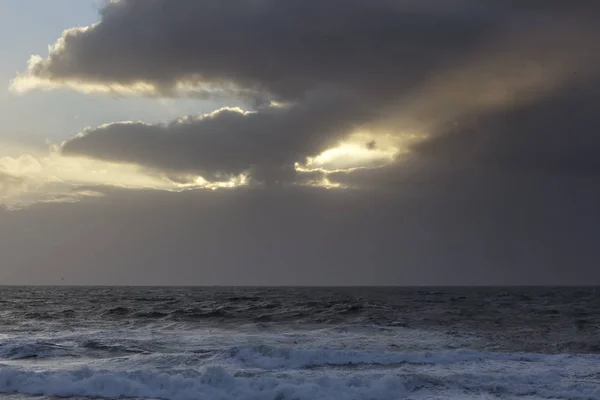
x,y
279,49
265,53
556,134
42,178
17,192
15,177
482,85
228,142
9,185
462,136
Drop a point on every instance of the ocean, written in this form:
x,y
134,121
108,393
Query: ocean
x,y
299,343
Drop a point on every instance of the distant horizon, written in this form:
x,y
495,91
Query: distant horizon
x,y
305,286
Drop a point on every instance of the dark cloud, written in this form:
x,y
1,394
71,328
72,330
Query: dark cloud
x,y
559,133
283,48
286,48
228,142
556,138
493,84
364,53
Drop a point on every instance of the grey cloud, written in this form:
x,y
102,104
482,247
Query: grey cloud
x,y
283,48
554,138
557,134
228,142
495,85
286,48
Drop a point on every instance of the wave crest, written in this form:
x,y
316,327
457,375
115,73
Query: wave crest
x,y
268,357
212,383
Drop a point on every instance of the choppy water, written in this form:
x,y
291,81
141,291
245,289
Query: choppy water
x,y
300,343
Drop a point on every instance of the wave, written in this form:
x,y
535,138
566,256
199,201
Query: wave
x,y
21,350
115,348
212,383
118,311
151,315
198,314
36,349
269,357
217,383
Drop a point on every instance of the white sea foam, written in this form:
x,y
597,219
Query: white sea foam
x,y
284,370
218,383
213,383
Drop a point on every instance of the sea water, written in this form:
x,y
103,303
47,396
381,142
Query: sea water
x,y
299,343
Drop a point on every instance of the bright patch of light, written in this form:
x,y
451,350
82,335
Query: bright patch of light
x,y
26,83
351,156
361,150
28,179
326,183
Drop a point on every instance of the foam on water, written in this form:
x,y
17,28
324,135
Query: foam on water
x,y
298,344
470,378
267,372
212,383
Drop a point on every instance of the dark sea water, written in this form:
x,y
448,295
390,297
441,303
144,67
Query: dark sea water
x,y
300,343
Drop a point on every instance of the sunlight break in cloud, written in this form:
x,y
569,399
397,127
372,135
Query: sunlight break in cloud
x,y
362,150
54,178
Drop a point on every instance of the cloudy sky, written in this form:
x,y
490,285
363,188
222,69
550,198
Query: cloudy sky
x,y
293,142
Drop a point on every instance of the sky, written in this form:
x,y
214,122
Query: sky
x,y
285,142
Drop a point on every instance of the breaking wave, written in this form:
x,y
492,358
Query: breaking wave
x,y
218,383
35,349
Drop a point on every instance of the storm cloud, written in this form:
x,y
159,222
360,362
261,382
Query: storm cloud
x,y
485,85
227,142
478,79
280,49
